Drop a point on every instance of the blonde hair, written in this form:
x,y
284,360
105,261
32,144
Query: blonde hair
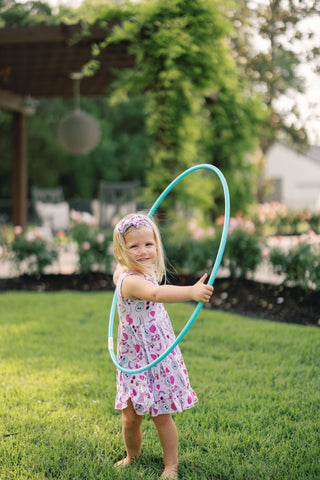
x,y
121,253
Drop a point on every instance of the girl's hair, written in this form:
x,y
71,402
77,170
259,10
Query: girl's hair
x,y
121,253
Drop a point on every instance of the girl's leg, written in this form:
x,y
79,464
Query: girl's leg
x,y
168,436
132,434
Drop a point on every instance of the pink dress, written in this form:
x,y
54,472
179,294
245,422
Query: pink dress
x,y
145,332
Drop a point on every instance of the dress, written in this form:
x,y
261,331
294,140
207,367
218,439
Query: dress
x,y
144,333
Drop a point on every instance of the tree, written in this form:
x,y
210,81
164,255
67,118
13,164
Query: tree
x,y
185,88
15,13
272,69
198,109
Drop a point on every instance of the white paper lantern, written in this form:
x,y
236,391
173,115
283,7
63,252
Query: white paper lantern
x,y
79,132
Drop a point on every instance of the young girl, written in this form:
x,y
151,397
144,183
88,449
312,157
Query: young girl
x,y
145,332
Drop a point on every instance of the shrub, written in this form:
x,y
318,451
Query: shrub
x,y
192,256
30,251
275,218
190,249
92,245
301,264
196,250
242,253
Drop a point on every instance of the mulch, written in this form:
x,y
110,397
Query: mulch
x,y
246,297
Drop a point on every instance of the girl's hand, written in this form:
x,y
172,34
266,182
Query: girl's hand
x,y
200,291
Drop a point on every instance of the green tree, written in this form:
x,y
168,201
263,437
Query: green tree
x,y
16,13
198,109
185,88
275,25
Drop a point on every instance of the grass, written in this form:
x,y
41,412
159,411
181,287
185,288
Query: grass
x,y
258,415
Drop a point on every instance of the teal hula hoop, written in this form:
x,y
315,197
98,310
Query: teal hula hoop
x,y
210,281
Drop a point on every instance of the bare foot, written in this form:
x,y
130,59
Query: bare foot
x,y
170,473
125,462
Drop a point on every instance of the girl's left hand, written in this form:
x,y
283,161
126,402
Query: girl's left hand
x,y
200,291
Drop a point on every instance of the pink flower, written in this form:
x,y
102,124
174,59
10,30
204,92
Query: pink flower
x,y
30,236
234,223
192,226
262,218
76,216
86,245
249,226
38,234
265,252
17,229
61,234
100,238
198,233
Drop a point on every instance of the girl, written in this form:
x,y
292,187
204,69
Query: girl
x,y
145,332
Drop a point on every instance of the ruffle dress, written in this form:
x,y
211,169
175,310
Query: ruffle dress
x,y
144,333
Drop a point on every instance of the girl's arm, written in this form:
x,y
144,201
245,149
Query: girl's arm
x,y
135,286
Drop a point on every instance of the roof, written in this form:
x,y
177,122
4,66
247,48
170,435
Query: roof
x,y
37,60
314,153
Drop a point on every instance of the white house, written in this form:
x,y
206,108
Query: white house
x,y
295,176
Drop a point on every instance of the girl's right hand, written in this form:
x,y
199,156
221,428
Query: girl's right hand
x,y
200,291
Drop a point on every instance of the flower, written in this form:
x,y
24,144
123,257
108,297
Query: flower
x,y
220,220
30,236
86,245
100,238
17,229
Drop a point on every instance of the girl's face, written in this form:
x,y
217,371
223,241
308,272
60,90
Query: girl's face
x,y
141,247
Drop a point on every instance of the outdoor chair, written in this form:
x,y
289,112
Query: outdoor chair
x,y
51,209
116,199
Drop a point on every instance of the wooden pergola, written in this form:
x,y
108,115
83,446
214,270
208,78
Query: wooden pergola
x,y
37,61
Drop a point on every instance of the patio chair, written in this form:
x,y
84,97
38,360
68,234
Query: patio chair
x,y
51,208
116,199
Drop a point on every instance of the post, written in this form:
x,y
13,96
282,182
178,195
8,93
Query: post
x,y
19,211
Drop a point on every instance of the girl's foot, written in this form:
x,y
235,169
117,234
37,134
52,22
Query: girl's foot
x,y
170,473
125,462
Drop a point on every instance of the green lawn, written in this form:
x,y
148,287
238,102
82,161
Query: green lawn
x,y
258,384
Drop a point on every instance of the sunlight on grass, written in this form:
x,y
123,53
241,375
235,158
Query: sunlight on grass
x,y
257,384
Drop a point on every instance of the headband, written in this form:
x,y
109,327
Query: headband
x,y
136,221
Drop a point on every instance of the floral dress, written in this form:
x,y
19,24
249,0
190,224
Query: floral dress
x,y
145,332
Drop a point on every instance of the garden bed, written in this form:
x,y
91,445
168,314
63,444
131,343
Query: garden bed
x,y
247,297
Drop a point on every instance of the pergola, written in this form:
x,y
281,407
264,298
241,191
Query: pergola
x,y
37,61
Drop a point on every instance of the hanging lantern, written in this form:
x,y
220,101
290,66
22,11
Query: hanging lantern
x,y
78,132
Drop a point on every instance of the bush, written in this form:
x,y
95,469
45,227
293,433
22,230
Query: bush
x,y
92,245
30,251
243,252
192,256
301,264
189,248
275,218
196,250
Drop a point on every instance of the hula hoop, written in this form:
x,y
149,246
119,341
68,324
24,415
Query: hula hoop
x,y
210,281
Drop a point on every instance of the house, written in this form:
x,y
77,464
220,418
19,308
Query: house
x,y
295,176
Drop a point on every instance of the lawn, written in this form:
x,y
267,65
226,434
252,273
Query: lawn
x,y
258,415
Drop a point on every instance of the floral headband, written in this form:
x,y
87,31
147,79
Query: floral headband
x,y
136,221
